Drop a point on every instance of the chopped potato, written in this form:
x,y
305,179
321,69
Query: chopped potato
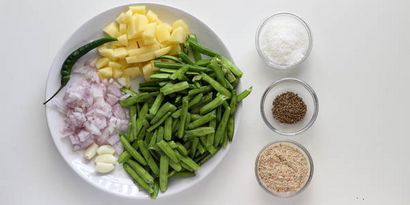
x,y
112,29
141,37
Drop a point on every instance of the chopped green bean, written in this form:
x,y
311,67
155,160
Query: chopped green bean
x,y
137,178
132,151
157,104
162,120
201,131
183,117
168,151
124,156
219,99
221,130
218,87
173,88
163,110
163,173
244,94
202,120
144,174
148,158
168,129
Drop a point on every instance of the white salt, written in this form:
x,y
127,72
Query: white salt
x,y
284,40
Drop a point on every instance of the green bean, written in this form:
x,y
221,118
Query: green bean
x,y
234,103
180,73
197,68
194,146
177,113
188,161
160,134
154,194
168,129
230,76
218,87
148,158
183,117
160,76
168,151
163,110
211,149
133,124
162,120
195,53
175,166
153,139
149,89
203,160
167,70
231,128
175,125
203,62
69,62
124,156
214,65
141,117
200,149
202,89
202,120
137,178
185,58
173,88
157,103
195,117
163,173
181,149
219,100
151,83
202,49
140,97
198,132
205,100
132,151
172,144
220,131
235,70
244,94
144,174
195,100
169,65
169,57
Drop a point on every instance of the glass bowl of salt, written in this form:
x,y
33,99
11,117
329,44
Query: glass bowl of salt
x,y
283,41
289,106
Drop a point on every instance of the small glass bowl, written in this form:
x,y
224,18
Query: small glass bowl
x,y
305,153
300,88
266,59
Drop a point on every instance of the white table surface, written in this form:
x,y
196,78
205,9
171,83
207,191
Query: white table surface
x,y
358,67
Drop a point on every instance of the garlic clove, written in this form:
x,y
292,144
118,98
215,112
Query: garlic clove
x,y
105,149
103,168
107,158
91,151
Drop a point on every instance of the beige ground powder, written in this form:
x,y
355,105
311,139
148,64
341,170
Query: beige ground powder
x,y
283,168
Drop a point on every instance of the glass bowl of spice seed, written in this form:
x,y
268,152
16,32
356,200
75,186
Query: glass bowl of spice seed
x,y
284,168
289,106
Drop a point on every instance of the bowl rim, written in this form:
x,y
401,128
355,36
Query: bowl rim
x,y
312,94
309,159
272,64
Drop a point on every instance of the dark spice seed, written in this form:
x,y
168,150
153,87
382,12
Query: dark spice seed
x,y
288,108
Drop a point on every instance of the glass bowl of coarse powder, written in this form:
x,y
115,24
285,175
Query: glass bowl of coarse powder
x,y
284,168
283,40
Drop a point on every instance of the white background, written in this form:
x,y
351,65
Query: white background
x,y
358,67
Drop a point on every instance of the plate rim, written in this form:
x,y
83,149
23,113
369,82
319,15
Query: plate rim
x,y
55,60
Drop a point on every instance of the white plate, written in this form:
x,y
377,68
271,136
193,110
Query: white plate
x,y
118,182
